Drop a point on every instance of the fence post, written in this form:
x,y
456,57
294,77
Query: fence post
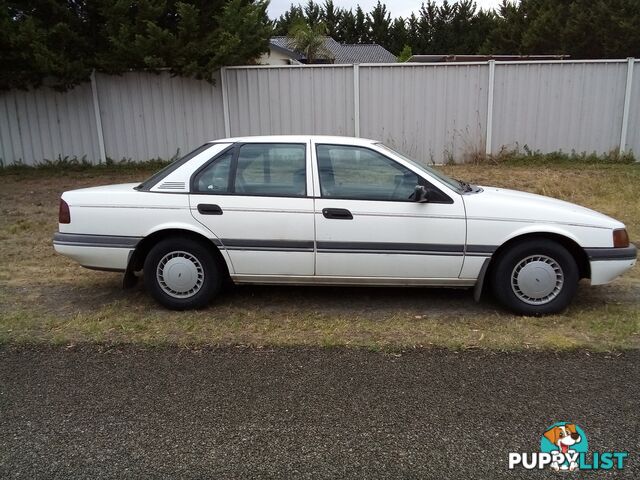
x,y
492,76
625,109
225,102
96,112
356,99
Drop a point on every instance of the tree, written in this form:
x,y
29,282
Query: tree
x,y
62,41
312,13
331,17
45,40
398,36
310,41
588,32
405,54
379,21
348,28
288,19
506,35
194,40
362,26
414,37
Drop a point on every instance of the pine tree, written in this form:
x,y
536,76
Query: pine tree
x,y
45,40
331,17
398,36
348,27
288,19
379,21
362,26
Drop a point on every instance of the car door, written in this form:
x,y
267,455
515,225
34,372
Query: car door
x,y
254,198
368,226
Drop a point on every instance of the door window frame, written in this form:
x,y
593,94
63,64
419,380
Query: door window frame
x,y
233,168
444,198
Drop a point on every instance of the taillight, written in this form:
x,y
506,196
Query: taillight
x,y
620,238
64,215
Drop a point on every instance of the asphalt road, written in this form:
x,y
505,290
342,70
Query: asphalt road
x,y
94,412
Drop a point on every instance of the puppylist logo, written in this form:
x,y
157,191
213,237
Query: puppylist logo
x,y
564,448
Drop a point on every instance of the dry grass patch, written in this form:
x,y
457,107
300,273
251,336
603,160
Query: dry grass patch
x,y
47,298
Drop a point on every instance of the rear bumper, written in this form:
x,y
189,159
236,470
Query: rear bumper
x,y
102,252
609,263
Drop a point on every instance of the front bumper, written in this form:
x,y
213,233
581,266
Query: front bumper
x,y
609,263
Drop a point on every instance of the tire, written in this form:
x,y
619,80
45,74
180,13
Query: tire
x,y
182,274
535,277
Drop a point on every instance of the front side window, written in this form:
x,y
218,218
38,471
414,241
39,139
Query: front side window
x,y
363,174
276,169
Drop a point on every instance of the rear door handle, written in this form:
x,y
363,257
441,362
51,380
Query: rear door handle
x,y
209,209
337,213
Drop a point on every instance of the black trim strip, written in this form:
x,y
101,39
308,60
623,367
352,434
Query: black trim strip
x,y
385,246
269,249
473,249
84,240
268,245
114,241
101,269
394,252
610,253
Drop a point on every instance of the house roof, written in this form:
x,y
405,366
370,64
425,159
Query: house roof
x,y
342,52
481,58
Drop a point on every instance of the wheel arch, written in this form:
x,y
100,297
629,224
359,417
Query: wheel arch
x,y
139,254
572,246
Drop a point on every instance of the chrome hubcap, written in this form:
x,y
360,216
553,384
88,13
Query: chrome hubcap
x,y
537,279
180,274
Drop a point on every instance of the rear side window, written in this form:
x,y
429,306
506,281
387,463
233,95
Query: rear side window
x,y
272,169
215,177
156,177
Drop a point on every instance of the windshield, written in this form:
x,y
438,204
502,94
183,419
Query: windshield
x,y
156,177
457,185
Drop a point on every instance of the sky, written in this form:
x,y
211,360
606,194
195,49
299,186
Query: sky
x,y
398,8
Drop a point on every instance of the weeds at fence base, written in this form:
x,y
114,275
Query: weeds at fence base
x,y
526,156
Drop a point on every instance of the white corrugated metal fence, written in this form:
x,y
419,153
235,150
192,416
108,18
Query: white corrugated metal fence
x,y
432,112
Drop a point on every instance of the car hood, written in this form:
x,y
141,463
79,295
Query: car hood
x,y
500,203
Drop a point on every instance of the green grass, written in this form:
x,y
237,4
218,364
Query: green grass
x,y
599,329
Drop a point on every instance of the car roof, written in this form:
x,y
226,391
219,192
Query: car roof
x,y
297,138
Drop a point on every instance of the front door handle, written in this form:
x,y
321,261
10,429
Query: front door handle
x,y
209,209
337,213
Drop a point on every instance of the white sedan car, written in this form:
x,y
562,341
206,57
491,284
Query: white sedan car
x,y
313,210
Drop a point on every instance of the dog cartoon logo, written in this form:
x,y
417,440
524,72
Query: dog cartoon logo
x,y
566,439
564,448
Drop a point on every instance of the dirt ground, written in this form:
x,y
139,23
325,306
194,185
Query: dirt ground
x,y
47,298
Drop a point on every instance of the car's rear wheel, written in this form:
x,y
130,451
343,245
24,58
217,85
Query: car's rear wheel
x,y
535,277
182,274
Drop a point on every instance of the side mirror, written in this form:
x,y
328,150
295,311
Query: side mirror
x,y
420,194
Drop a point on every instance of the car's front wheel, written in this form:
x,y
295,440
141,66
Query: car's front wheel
x,y
535,277
182,274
